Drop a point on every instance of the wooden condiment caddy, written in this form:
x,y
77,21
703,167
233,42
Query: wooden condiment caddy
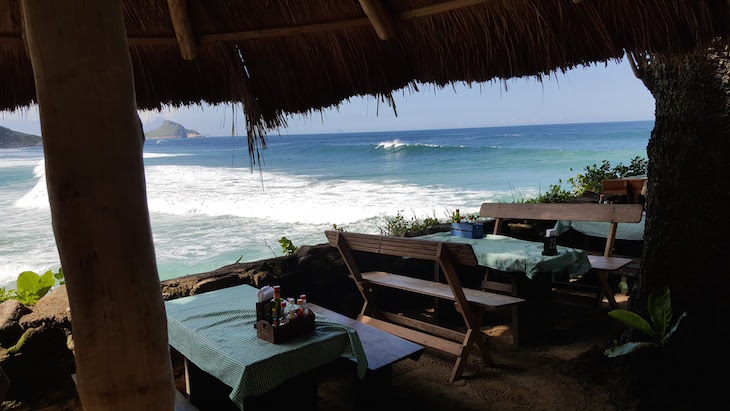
x,y
282,333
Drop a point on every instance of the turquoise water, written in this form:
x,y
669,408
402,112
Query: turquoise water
x,y
208,209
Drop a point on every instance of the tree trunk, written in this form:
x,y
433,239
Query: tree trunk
x,y
687,236
93,141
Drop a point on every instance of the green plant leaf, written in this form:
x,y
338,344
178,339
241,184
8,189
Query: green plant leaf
x,y
660,311
633,320
666,338
27,281
46,281
627,348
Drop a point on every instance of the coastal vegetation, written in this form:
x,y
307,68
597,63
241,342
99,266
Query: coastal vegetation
x,y
587,182
400,225
31,286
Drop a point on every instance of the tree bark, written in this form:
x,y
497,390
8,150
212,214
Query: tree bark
x,y
93,141
687,235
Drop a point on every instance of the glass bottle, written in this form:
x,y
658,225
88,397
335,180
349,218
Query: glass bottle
x,y
274,315
305,309
276,303
292,309
457,216
284,314
300,309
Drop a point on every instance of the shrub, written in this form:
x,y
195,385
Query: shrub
x,y
399,225
594,175
31,287
287,247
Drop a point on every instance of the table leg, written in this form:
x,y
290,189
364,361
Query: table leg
x,y
535,315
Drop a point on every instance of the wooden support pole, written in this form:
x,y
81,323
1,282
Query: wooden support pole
x,y
92,143
183,29
379,17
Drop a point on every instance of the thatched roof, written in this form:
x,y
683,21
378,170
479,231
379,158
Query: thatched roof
x,y
283,57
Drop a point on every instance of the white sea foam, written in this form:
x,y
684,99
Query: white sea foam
x,y
162,155
397,144
13,162
287,198
221,191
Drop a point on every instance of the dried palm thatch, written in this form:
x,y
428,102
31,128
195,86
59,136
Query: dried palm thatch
x,y
278,58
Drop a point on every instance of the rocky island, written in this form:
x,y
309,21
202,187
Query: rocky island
x,y
15,139
170,129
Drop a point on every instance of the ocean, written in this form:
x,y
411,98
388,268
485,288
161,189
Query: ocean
x,y
208,208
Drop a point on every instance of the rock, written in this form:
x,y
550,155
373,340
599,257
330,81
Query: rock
x,y
40,361
52,309
10,330
42,357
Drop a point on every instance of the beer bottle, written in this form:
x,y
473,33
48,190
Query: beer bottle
x,y
457,216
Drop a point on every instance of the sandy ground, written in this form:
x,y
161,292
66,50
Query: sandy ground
x,y
529,377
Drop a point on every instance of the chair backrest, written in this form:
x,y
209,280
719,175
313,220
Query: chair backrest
x,y
461,254
608,213
611,213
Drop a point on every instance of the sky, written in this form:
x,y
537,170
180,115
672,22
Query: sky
x,y
599,93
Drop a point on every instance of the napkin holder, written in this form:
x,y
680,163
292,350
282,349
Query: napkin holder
x,y
550,246
276,335
263,311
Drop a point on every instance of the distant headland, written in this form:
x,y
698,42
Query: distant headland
x,y
170,129
15,139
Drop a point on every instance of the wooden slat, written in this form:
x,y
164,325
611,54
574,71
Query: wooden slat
x,y
413,335
615,187
461,254
381,348
379,17
183,29
433,289
438,8
424,326
496,286
614,213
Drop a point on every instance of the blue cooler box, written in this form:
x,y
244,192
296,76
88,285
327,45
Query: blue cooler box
x,y
467,230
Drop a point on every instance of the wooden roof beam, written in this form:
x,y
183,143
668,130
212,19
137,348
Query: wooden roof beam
x,y
379,17
183,29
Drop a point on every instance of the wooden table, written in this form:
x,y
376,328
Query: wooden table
x,y
215,333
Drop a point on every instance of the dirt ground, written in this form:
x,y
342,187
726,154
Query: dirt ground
x,y
555,375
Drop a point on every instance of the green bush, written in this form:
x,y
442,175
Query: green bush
x,y
31,287
594,175
287,247
554,194
399,225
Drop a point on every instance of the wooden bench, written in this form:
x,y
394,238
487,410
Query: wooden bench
x,y
610,213
470,303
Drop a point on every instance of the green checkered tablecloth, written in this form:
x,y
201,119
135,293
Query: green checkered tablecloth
x,y
215,330
504,253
